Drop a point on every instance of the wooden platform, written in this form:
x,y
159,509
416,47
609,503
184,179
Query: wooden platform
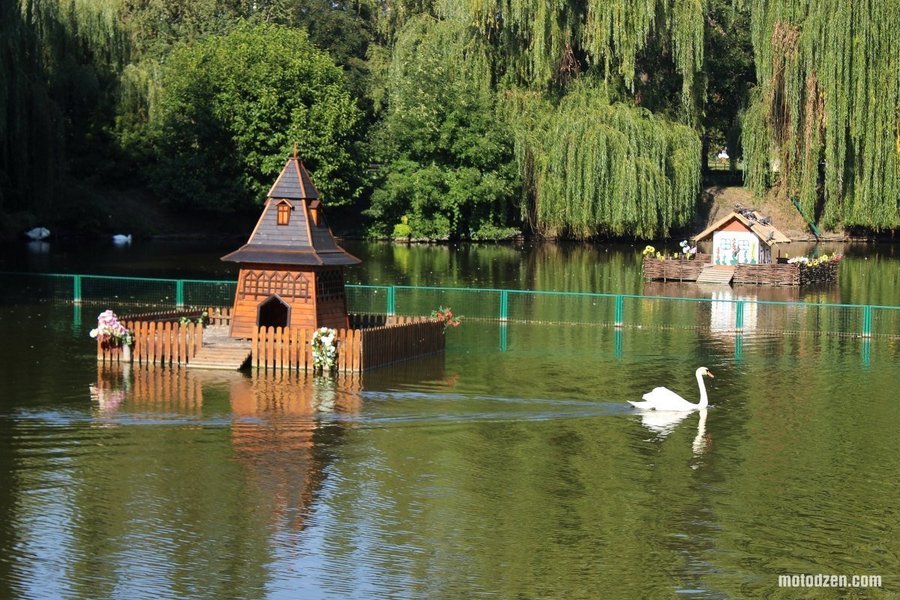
x,y
220,350
719,274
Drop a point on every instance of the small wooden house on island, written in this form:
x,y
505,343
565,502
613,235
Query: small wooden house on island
x,y
291,272
744,251
290,283
742,240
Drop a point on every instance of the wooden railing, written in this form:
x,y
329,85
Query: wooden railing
x,y
279,348
218,315
164,343
161,316
215,315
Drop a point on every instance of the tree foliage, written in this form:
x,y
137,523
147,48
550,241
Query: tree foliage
x,y
57,80
447,170
232,107
593,166
828,108
573,116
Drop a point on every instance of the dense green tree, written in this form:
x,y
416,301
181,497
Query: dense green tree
x,y
446,168
826,111
231,108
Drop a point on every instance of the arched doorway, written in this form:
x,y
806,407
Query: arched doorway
x,y
273,313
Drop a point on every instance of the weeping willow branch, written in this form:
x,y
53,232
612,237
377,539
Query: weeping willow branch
x,y
59,59
535,39
590,166
828,107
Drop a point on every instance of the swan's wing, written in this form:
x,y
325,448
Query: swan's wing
x,y
661,394
665,399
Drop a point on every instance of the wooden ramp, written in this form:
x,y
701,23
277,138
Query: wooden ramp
x,y
220,351
719,274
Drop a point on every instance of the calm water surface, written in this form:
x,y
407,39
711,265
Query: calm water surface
x,y
512,467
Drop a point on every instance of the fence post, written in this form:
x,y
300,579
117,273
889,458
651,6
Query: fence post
x,y
391,308
504,305
867,321
620,310
76,289
739,316
179,293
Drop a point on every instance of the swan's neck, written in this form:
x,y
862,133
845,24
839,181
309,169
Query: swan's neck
x,y
704,401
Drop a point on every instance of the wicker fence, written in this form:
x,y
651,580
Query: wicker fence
x,y
671,269
776,274
771,274
279,348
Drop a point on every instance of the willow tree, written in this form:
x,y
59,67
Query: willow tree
x,y
828,108
537,41
592,166
58,65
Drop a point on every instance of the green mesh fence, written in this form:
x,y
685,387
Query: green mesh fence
x,y
367,299
558,308
128,291
721,313
209,293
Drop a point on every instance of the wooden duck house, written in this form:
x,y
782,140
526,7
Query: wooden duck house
x,y
291,268
742,239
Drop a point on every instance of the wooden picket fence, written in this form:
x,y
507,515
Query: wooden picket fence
x,y
157,343
218,315
401,341
279,348
170,343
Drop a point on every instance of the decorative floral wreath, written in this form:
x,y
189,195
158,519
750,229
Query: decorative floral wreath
x,y
324,349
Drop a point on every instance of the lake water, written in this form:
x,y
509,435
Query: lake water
x,y
511,467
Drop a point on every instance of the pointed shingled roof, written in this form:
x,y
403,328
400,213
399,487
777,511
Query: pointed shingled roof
x,y
304,241
294,182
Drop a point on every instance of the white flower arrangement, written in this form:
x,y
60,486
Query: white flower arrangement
x,y
324,349
687,249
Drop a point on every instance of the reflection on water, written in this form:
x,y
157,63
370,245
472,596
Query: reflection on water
x,y
516,473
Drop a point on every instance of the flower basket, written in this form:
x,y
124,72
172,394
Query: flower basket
x,y
110,334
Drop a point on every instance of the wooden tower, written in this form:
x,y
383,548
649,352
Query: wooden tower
x,y
291,272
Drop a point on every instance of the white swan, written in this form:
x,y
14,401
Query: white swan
x,y
121,239
38,233
665,399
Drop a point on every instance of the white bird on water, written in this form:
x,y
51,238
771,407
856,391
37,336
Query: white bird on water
x,y
665,399
121,239
38,233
